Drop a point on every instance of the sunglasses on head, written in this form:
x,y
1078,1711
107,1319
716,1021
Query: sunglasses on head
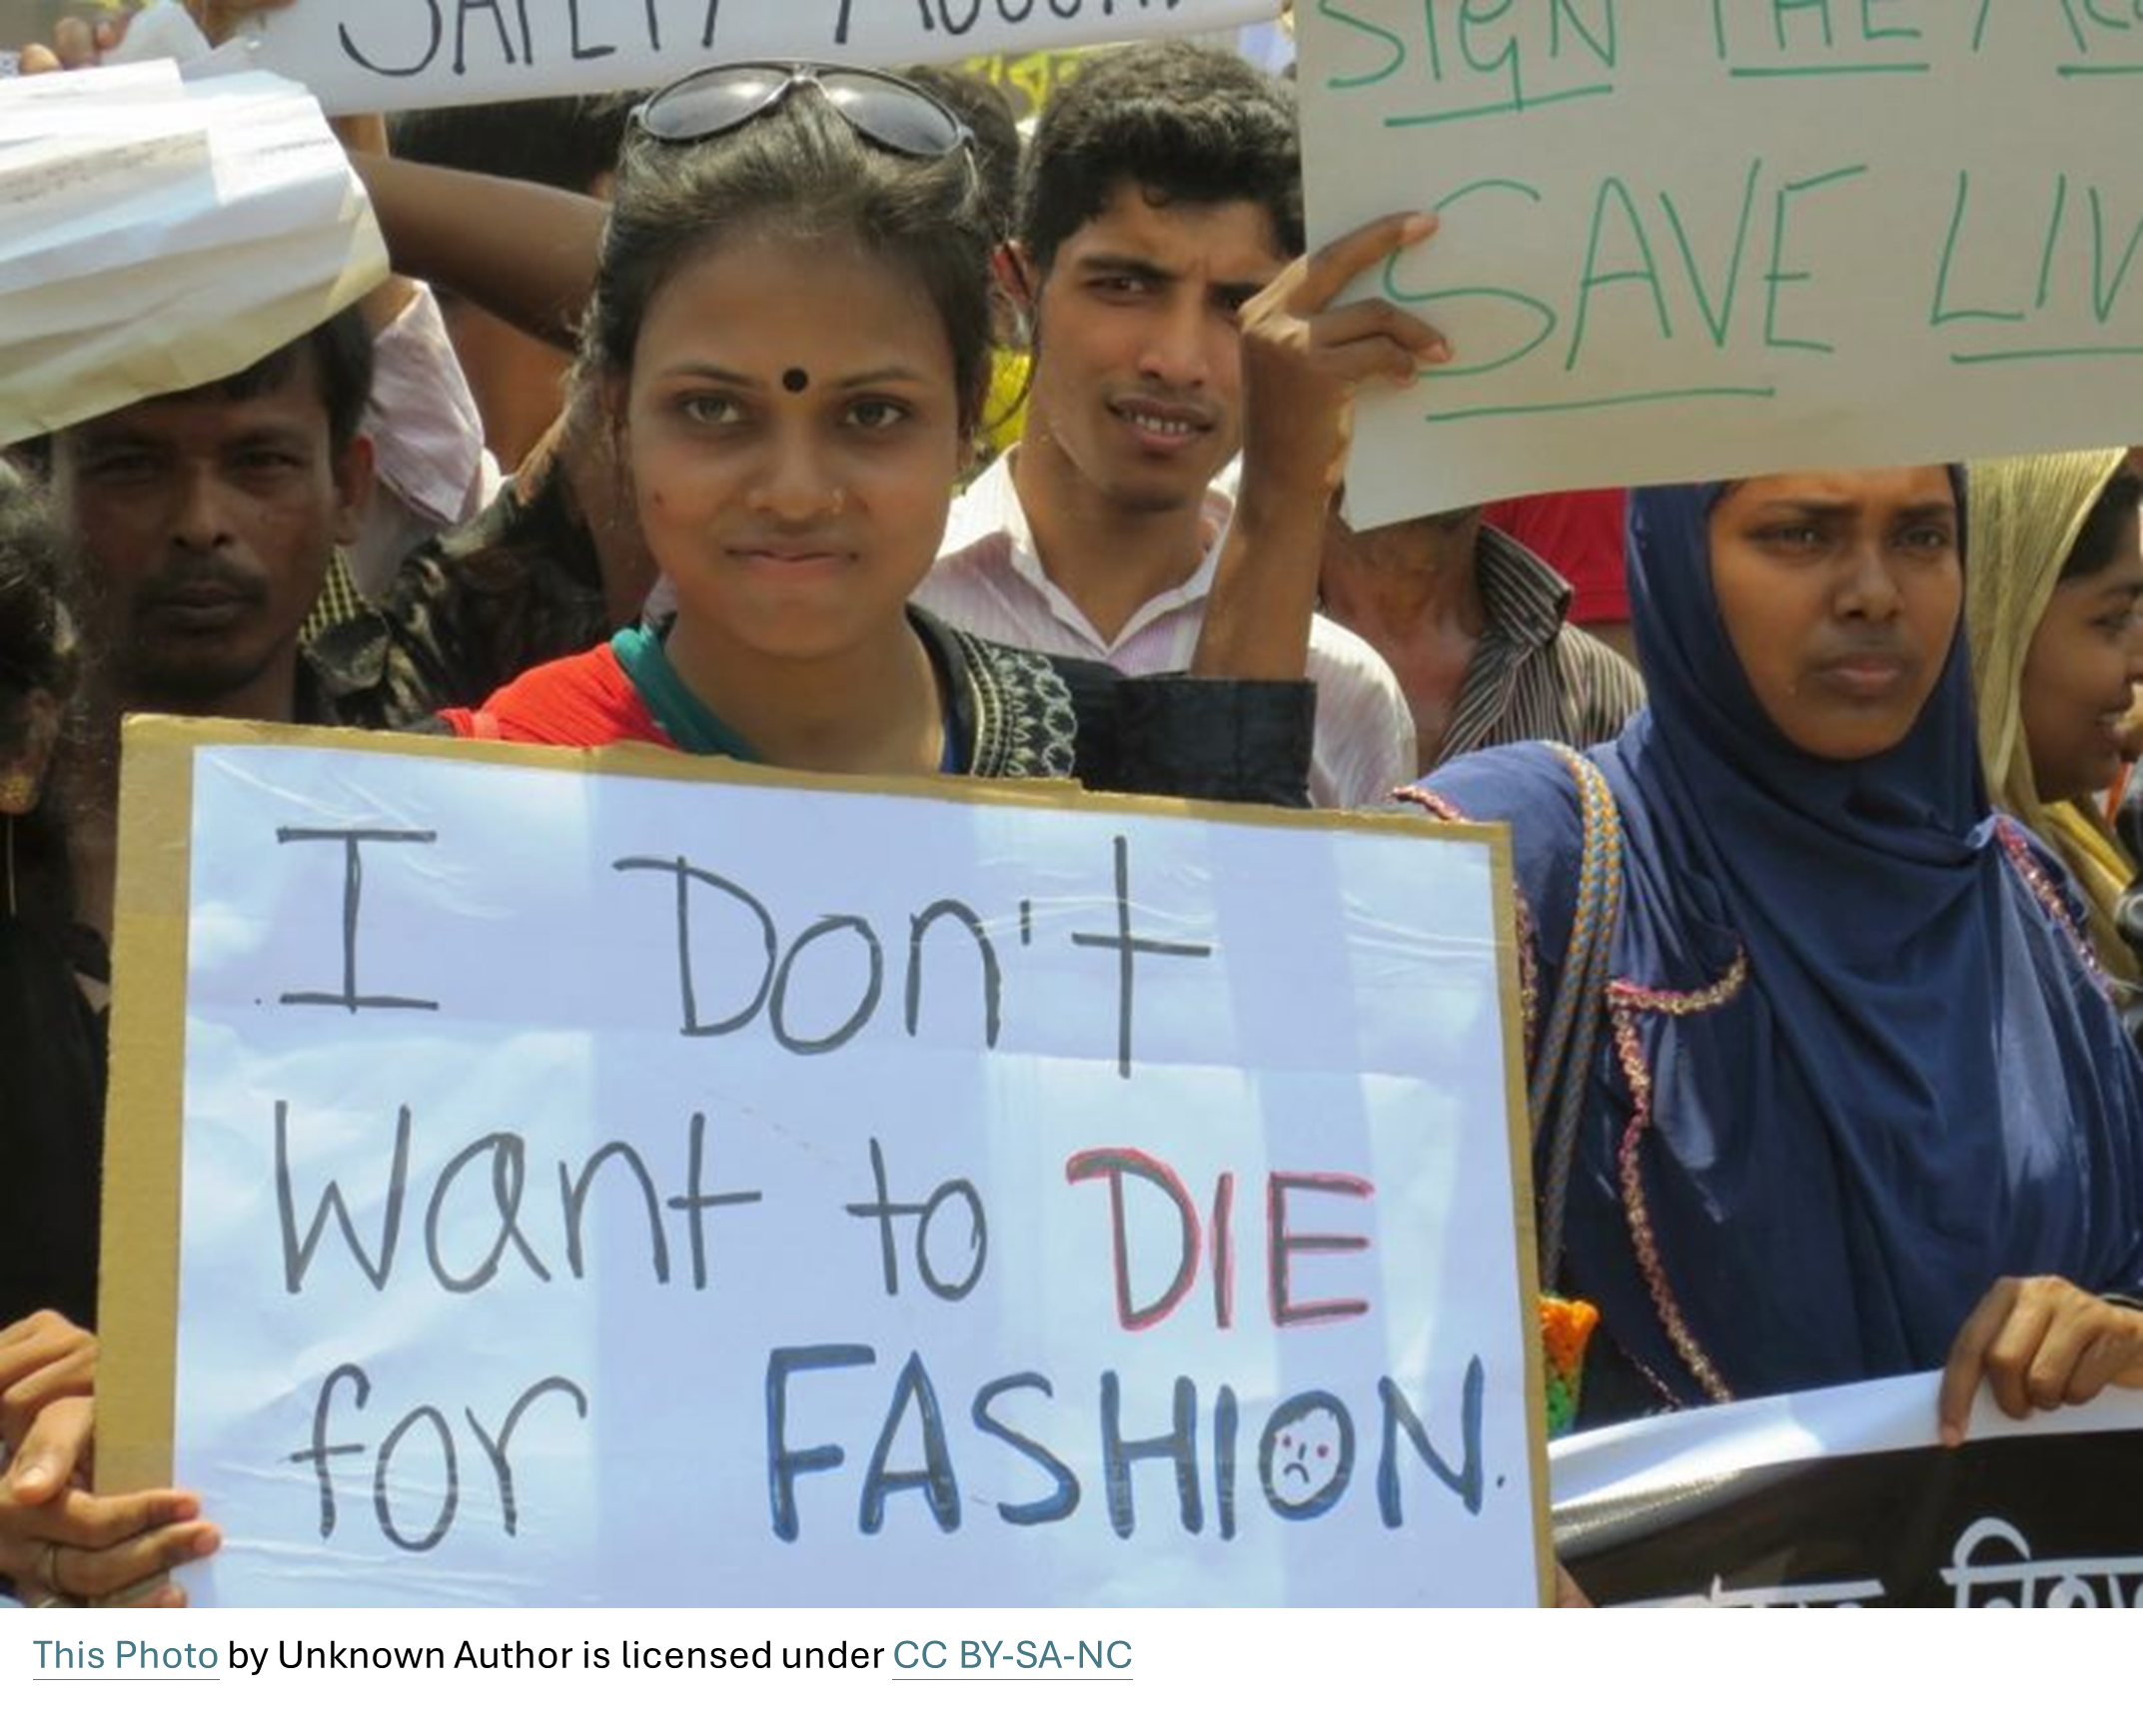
x,y
888,111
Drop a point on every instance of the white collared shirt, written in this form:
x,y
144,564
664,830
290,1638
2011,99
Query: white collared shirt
x,y
989,580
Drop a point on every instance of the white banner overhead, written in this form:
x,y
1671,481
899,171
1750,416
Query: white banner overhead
x,y
1694,239
362,55
611,1179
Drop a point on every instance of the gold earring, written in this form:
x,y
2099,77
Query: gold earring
x,y
17,795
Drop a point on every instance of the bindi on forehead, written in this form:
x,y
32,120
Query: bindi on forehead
x,y
796,379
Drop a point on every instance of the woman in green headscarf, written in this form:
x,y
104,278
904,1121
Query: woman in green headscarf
x,y
2054,603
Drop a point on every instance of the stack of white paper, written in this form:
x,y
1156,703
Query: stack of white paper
x,y
156,235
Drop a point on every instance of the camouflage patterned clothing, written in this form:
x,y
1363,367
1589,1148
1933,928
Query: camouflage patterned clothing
x,y
518,584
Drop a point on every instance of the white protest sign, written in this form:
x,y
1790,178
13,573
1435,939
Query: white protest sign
x,y
635,1187
1693,239
402,54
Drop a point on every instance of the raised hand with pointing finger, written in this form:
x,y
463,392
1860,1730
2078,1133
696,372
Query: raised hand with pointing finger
x,y
1303,361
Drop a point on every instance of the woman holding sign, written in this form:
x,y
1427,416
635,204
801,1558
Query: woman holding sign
x,y
791,337
791,331
1854,1071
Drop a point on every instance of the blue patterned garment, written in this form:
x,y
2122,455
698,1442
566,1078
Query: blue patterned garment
x,y
1856,1067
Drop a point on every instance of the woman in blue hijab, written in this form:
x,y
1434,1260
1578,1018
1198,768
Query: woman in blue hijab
x,y
1857,1072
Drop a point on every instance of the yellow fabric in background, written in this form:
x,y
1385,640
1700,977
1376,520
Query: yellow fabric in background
x,y
1004,411
2024,516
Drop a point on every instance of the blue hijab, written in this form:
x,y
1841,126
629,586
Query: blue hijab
x,y
1919,1087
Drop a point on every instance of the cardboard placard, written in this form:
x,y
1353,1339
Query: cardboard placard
x,y
1697,238
619,1179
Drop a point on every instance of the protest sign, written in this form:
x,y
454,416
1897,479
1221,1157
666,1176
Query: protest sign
x,y
156,235
1844,1497
1694,238
359,55
612,1179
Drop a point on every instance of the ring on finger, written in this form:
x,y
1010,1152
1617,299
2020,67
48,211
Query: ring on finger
x,y
48,1570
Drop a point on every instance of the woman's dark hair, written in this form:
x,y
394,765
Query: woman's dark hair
x,y
38,646
40,651
2109,529
798,173
988,114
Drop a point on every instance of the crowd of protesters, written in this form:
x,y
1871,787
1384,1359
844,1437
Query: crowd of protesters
x,y
703,435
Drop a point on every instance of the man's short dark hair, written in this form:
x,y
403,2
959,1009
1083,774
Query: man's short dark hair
x,y
1183,123
563,142
341,349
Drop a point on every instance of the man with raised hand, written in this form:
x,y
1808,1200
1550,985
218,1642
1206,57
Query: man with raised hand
x,y
1161,192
